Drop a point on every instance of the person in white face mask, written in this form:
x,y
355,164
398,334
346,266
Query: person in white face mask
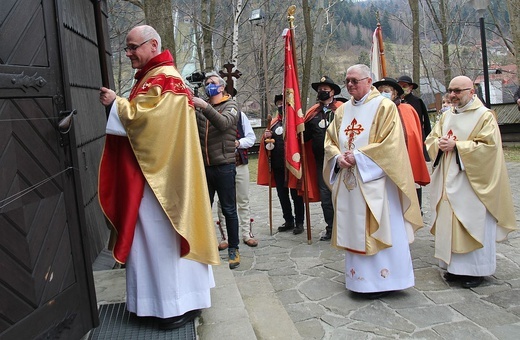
x,y
446,103
445,106
390,89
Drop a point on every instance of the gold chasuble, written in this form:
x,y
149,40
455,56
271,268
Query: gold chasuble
x,y
381,139
469,182
161,128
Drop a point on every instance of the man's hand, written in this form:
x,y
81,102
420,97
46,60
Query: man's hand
x,y
446,144
106,96
199,103
346,160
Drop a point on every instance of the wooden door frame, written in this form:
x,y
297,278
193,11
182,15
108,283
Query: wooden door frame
x,y
48,320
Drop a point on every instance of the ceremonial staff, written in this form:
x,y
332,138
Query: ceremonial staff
x,y
269,145
377,54
290,18
382,57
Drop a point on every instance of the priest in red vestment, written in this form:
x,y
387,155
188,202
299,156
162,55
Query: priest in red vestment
x,y
158,209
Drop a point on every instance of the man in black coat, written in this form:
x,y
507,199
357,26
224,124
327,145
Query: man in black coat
x,y
408,97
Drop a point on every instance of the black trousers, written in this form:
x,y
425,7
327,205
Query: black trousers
x,y
283,196
326,199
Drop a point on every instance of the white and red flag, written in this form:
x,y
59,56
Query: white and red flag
x,y
377,55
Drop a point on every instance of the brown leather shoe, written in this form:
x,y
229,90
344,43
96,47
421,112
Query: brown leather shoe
x,y
223,245
251,242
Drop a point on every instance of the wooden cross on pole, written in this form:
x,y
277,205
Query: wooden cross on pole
x,y
229,77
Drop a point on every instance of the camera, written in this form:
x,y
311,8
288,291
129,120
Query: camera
x,y
196,79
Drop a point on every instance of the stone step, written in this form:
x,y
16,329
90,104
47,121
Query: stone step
x,y
227,318
267,314
244,308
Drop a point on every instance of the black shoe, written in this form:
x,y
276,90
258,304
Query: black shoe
x,y
471,281
449,277
298,229
327,236
178,321
375,295
285,227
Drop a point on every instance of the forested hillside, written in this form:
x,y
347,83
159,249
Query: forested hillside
x,y
341,33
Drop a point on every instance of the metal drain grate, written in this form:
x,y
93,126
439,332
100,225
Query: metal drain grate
x,y
117,323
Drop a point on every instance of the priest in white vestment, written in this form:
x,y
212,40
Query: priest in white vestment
x,y
471,199
375,204
150,189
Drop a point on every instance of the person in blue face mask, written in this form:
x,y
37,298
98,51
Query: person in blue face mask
x,y
217,121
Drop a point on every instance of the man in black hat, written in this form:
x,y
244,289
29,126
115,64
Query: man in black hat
x,y
317,119
275,130
408,97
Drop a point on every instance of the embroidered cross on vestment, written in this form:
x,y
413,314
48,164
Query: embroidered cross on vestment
x,y
351,131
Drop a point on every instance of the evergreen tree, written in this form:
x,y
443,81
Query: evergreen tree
x,y
358,40
364,58
388,34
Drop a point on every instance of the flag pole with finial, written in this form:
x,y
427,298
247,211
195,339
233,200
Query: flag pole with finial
x,y
290,18
378,59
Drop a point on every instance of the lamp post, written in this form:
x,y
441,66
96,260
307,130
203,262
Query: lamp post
x,y
481,6
258,15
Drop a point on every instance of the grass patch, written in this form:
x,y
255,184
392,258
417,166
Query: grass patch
x,y
512,153
253,167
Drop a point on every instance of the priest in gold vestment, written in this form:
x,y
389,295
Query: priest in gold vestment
x,y
471,199
376,209
151,191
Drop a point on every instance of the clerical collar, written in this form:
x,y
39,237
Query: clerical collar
x,y
464,108
361,101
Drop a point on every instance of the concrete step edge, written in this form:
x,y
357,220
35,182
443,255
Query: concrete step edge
x,y
266,313
227,318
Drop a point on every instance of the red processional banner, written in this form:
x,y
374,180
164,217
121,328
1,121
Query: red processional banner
x,y
294,117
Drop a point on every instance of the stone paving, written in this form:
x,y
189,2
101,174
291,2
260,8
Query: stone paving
x,y
308,279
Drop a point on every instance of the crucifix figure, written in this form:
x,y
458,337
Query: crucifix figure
x,y
351,131
228,76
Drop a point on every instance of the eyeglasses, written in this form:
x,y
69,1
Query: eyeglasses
x,y
353,81
458,91
133,48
